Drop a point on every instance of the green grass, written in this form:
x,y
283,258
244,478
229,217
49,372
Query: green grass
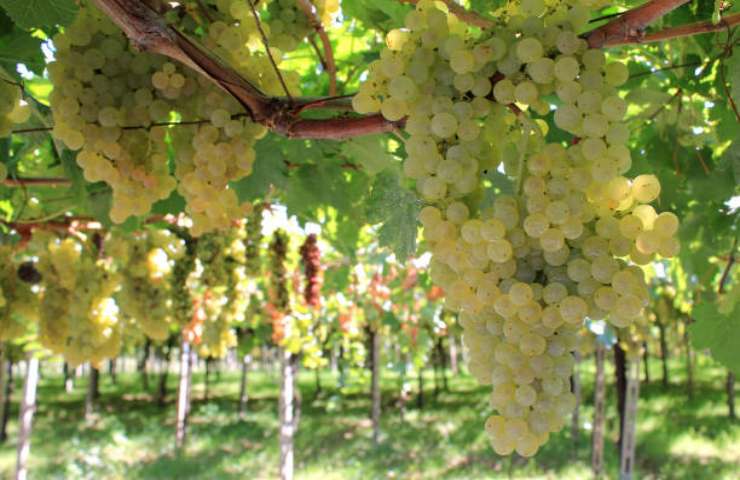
x,y
132,438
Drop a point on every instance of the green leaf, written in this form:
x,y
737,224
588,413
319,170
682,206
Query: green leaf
x,y
40,13
370,151
718,333
397,209
19,46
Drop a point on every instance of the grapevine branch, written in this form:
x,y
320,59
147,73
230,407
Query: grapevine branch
x,y
38,181
684,31
328,59
629,27
147,30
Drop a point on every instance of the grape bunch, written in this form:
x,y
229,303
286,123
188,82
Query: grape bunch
x,y
79,317
113,105
288,24
13,110
145,263
523,270
311,258
19,302
225,289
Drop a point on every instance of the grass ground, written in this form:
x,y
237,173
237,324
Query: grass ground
x,y
132,438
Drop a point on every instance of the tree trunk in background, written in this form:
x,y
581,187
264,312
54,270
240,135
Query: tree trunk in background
x,y
731,395
207,379
317,383
285,410
69,380
243,393
142,367
597,439
453,354
689,363
93,393
627,453
663,354
403,397
420,381
443,358
342,374
645,358
7,397
112,371
620,370
3,393
25,418
576,388
375,386
182,396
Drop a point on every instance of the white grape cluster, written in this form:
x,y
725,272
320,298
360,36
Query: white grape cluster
x,y
526,272
145,261
13,110
225,287
79,317
19,303
108,102
233,35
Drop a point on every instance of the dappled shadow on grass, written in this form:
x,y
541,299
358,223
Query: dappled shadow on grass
x,y
445,439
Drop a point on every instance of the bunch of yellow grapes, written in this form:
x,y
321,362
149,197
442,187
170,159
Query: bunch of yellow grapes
x,y
527,269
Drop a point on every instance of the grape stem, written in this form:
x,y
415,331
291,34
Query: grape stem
x,y
39,181
267,50
327,60
728,268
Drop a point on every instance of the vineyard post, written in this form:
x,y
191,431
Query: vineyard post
x,y
627,455
646,361
3,378
689,360
142,366
25,417
620,372
730,386
453,353
576,386
376,394
8,395
663,352
597,438
285,407
112,365
182,396
92,393
69,381
243,392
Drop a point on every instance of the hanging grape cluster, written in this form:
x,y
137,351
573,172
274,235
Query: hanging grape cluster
x,y
13,110
527,270
311,258
78,317
19,303
145,261
107,102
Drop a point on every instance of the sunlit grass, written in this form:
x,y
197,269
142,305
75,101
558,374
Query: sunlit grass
x,y
132,438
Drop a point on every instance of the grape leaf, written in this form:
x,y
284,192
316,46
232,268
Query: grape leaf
x,y
717,332
19,46
732,74
40,13
369,151
397,209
